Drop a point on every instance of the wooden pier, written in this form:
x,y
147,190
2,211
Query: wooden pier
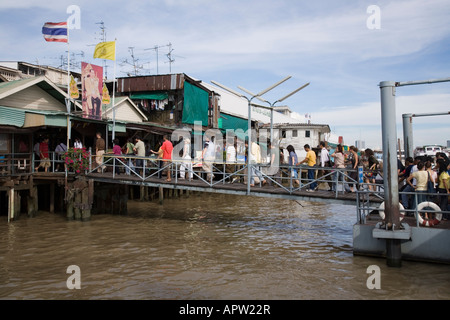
x,y
239,189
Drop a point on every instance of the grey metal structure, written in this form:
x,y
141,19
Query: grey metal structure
x,y
408,130
249,131
389,135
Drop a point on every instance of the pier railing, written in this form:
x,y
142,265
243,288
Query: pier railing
x,y
340,180
26,163
15,163
368,196
424,206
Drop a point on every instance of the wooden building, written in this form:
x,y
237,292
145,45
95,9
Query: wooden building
x,y
174,100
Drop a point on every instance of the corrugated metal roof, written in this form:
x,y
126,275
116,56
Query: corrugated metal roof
x,y
12,116
151,83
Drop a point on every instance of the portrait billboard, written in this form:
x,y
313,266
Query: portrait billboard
x,y
91,87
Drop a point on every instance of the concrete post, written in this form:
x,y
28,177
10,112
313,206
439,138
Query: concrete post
x,y
391,198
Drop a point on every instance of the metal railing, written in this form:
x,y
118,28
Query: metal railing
x,y
365,206
144,168
368,196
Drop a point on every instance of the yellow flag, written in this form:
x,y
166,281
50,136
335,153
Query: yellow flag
x,y
106,99
73,88
105,50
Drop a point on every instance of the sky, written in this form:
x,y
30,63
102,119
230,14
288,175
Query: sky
x,y
343,48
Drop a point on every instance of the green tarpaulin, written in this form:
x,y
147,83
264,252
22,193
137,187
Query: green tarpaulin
x,y
196,104
149,96
232,122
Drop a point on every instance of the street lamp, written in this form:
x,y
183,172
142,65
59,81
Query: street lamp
x,y
272,105
249,131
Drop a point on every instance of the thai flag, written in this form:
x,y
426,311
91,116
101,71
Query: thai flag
x,y
55,31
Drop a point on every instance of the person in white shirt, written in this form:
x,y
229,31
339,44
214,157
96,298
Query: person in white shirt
x,y
186,165
209,153
230,166
77,144
325,161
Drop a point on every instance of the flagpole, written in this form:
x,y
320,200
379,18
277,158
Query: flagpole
x,y
114,95
68,89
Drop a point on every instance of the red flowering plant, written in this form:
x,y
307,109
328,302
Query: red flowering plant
x,y
77,159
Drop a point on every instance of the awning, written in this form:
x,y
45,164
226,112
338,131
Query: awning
x,y
119,127
149,96
24,118
12,116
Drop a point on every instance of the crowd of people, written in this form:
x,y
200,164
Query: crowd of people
x,y
420,179
425,179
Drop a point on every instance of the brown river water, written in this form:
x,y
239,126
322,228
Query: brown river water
x,y
203,247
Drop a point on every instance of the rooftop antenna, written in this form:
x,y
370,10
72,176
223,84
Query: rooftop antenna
x,y
103,39
156,48
133,63
73,63
170,57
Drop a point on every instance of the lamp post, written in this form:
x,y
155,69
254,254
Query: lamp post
x,y
272,105
249,130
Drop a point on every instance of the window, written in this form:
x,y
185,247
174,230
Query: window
x,y
294,134
307,134
283,133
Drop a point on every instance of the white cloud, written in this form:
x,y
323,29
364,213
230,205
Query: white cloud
x,y
326,43
364,121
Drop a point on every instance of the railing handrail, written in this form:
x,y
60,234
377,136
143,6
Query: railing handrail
x,y
363,191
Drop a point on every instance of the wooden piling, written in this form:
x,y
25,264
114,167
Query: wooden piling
x,y
77,209
34,196
30,206
161,195
52,198
17,204
85,205
70,210
10,204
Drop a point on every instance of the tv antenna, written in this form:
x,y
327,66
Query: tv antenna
x,y
74,64
170,57
102,39
133,63
156,48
